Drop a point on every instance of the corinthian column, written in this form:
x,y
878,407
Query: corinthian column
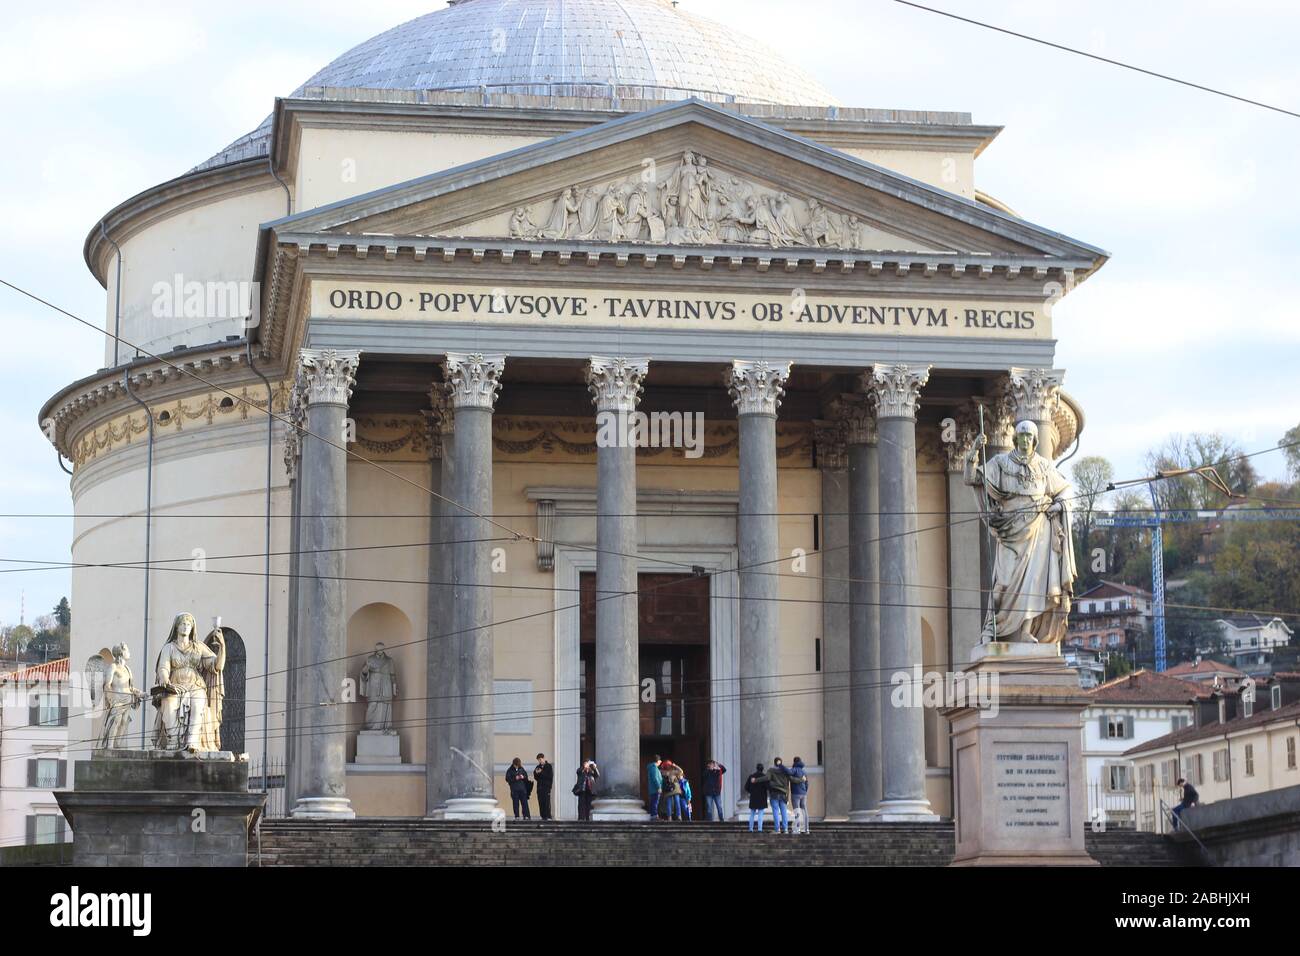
x,y
864,621
615,386
894,390
837,723
472,385
756,389
1035,394
440,671
325,380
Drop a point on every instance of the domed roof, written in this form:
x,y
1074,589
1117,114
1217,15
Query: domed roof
x,y
650,49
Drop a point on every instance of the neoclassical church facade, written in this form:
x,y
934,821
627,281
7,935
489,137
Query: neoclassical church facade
x,y
465,242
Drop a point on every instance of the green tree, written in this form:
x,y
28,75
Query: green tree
x,y
18,638
63,612
1292,452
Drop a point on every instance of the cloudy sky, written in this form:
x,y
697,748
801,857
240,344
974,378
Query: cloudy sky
x,y
1191,326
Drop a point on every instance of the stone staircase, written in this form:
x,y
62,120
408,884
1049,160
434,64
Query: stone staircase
x,y
412,842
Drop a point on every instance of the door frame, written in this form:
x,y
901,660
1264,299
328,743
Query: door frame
x,y
724,649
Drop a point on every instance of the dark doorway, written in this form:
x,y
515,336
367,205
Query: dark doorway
x,y
673,638
234,679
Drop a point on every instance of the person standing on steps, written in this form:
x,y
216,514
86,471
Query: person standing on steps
x,y
517,780
672,789
713,772
778,792
756,787
654,779
799,795
585,788
544,775
685,798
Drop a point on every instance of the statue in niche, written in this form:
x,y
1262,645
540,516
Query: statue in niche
x,y
378,685
188,689
1026,503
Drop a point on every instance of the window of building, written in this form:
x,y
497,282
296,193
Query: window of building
x,y
1118,778
1275,694
1247,708
1250,760
1146,776
49,712
1168,772
1221,764
1290,753
1179,722
47,828
1117,727
47,774
1194,770
1108,605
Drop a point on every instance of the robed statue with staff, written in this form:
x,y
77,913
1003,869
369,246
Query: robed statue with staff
x,y
188,689
1025,502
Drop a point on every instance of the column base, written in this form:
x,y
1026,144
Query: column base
x,y
472,808
618,808
863,816
323,808
905,811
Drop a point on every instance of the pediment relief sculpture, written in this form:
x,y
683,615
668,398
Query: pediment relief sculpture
x,y
697,203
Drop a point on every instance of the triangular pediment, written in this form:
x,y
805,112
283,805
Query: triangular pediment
x,y
688,174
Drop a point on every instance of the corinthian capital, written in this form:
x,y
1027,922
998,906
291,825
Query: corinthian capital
x,y
859,418
895,389
1035,393
756,387
326,376
473,380
828,439
965,427
615,383
296,413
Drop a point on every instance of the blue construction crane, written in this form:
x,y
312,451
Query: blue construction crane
x,y
1154,521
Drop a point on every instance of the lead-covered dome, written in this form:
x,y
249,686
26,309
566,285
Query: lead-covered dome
x,y
651,49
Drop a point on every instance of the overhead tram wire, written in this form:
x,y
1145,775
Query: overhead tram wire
x,y
1101,59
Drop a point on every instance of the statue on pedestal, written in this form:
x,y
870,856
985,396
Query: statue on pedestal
x,y
121,697
188,689
379,686
1025,502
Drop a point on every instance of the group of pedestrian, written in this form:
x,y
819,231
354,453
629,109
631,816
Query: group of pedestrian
x,y
522,786
669,790
785,789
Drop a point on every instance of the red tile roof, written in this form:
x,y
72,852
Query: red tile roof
x,y
1202,667
1148,687
49,671
1289,713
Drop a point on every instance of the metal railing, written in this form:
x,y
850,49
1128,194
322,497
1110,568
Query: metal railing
x,y
1178,823
273,784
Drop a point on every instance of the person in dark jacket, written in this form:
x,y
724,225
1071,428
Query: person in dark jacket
x,y
799,795
1190,799
778,792
517,779
654,780
585,788
544,776
713,772
756,787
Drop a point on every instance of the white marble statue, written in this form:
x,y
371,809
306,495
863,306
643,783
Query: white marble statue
x,y
120,699
188,689
379,686
1026,503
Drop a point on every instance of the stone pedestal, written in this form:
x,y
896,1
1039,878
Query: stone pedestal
x,y
1018,765
160,808
378,747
